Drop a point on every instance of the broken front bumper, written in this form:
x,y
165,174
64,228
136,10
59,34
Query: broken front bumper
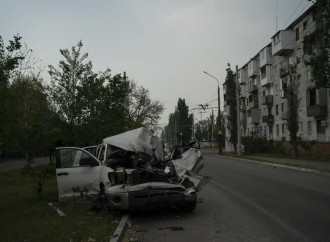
x,y
149,196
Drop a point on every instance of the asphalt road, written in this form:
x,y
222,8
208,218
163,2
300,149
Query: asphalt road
x,y
245,202
19,164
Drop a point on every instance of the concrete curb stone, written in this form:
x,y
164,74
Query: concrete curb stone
x,y
120,231
270,163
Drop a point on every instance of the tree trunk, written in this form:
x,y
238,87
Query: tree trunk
x,y
294,149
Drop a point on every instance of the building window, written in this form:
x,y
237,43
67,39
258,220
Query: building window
x,y
276,107
320,126
270,128
301,127
282,107
260,130
309,127
283,129
305,24
297,33
312,97
277,129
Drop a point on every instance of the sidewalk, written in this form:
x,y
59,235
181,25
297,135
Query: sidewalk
x,y
316,165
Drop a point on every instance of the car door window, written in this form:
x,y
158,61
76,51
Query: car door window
x,y
70,158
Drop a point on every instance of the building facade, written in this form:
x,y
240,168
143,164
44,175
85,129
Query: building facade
x,y
264,84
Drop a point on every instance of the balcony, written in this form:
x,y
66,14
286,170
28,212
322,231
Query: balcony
x,y
253,104
242,77
266,81
317,111
254,118
252,68
269,119
284,115
265,76
253,88
267,100
283,42
243,91
265,56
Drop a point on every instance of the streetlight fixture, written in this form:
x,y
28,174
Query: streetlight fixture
x,y
219,119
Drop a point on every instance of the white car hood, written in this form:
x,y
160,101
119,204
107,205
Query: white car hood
x,y
137,140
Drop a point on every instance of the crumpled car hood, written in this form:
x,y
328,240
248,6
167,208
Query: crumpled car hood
x,y
137,140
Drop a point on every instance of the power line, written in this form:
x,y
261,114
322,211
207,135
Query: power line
x,y
293,13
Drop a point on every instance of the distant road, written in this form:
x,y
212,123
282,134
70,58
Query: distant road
x,y
14,165
247,201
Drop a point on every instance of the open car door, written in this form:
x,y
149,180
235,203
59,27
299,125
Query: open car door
x,y
78,173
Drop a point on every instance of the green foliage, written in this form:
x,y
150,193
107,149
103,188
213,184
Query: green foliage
x,y
40,175
208,129
320,59
231,100
78,108
306,145
179,126
9,60
94,106
293,118
25,218
260,144
142,110
66,86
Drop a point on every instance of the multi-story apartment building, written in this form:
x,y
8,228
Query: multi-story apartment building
x,y
264,81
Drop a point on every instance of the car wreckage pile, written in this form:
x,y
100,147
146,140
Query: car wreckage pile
x,y
134,174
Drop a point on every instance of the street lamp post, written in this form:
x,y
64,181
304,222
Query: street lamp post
x,y
219,119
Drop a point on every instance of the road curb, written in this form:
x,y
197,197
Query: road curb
x,y
120,231
269,163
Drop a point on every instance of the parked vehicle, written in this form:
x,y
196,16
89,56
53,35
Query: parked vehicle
x,y
129,170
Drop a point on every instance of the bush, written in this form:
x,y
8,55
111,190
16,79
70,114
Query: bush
x,y
260,144
40,175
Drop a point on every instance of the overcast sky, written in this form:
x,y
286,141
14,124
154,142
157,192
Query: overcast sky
x,y
164,45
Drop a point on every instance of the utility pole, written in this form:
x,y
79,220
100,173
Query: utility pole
x,y
219,122
219,119
238,116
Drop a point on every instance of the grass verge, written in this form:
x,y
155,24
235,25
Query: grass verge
x,y
24,218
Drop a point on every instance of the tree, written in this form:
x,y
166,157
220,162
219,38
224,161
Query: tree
x,y
66,82
142,110
179,127
93,106
231,100
319,45
9,60
293,109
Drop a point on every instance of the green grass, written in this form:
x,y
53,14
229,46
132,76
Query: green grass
x,y
24,218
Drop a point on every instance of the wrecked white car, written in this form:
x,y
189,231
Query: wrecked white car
x,y
130,172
